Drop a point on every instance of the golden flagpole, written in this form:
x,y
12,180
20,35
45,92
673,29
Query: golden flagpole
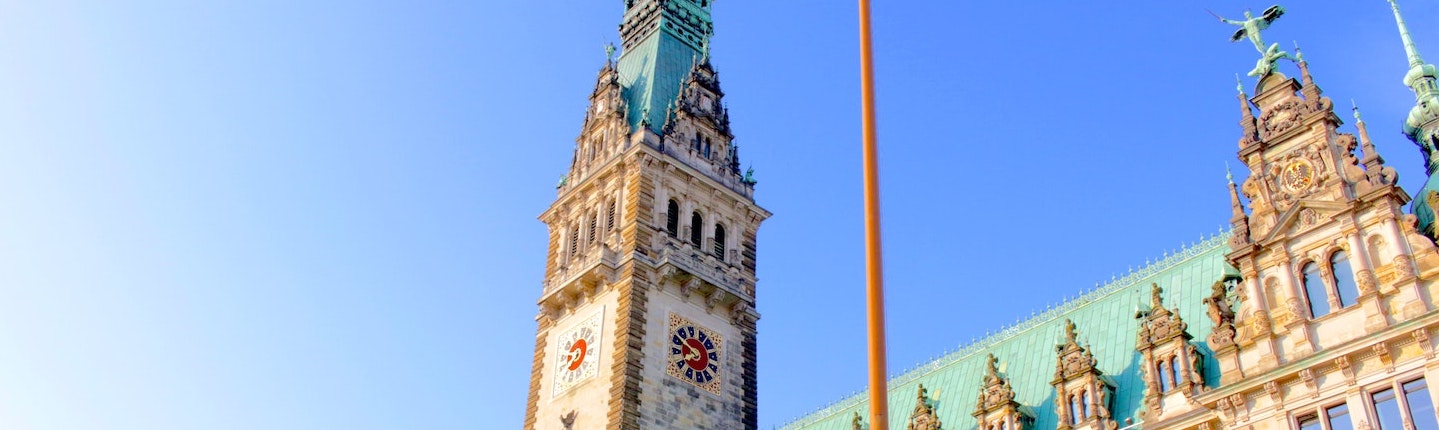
x,y
874,268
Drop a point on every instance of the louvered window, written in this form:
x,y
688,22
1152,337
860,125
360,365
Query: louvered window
x,y
672,219
696,228
719,241
610,217
574,241
591,238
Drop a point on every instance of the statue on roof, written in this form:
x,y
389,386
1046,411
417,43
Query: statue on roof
x,y
1251,28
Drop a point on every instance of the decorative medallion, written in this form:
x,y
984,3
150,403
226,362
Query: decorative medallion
x,y
577,354
1297,176
696,354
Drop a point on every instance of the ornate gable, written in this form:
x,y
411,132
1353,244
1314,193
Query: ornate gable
x,y
1081,395
1171,364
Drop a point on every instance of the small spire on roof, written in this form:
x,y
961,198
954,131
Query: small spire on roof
x,y
1356,111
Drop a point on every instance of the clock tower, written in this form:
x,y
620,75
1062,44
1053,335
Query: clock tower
x,y
646,317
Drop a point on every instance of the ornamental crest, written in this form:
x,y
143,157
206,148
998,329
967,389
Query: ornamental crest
x,y
1283,117
1161,324
1074,360
923,417
995,392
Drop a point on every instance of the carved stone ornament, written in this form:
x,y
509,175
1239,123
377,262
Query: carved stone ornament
x,y
1381,350
995,392
923,417
1222,315
1272,388
1073,360
1421,337
1307,375
1368,284
1161,324
1342,363
1403,267
1283,117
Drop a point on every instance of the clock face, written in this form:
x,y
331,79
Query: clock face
x,y
577,353
1297,176
695,354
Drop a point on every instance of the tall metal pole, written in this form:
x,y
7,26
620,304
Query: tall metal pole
x,y
874,267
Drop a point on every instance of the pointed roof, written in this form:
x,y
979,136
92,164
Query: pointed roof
x,y
662,42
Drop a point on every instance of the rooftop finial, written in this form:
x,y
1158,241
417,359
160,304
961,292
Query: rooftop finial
x,y
1298,54
1228,174
1238,84
609,52
1356,110
1409,48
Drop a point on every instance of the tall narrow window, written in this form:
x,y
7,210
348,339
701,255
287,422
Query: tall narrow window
x,y
1073,409
672,218
1405,406
1387,407
719,241
1344,279
1315,291
1339,417
610,217
1421,408
1174,370
574,241
696,228
1084,399
1163,376
590,240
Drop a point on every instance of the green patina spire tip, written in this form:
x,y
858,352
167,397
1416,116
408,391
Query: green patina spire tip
x,y
1409,47
1228,174
1356,110
1298,55
1238,84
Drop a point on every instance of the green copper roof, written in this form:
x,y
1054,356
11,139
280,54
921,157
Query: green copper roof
x,y
1106,324
663,40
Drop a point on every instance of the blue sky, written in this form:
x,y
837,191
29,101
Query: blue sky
x,y
321,214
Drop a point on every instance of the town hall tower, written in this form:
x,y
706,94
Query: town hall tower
x,y
646,317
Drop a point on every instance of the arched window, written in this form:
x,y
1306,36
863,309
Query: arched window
x,y
1163,376
672,218
719,241
610,217
1174,371
1003,425
1315,291
1344,279
1084,399
696,228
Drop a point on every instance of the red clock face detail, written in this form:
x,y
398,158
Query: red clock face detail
x,y
577,354
695,354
